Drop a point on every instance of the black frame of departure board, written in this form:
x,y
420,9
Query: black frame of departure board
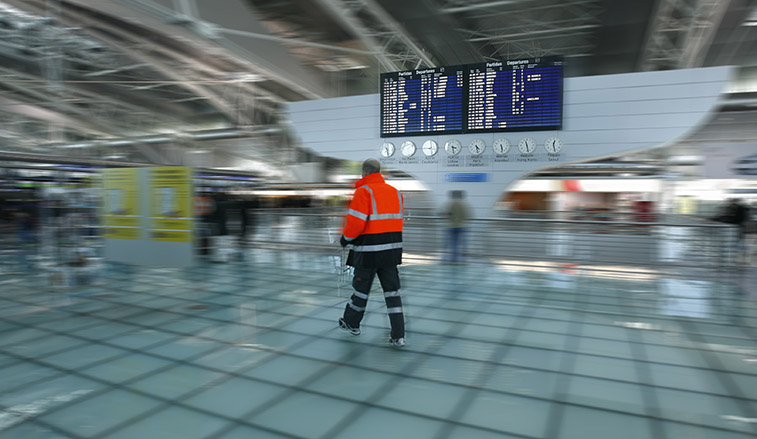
x,y
416,74
552,61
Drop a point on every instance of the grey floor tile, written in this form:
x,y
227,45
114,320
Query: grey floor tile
x,y
610,395
316,415
507,413
236,397
82,356
172,423
177,381
675,430
527,382
38,397
287,370
586,423
92,416
449,370
141,338
182,348
20,374
232,359
377,423
688,378
125,368
30,430
611,348
606,367
424,397
703,409
545,359
45,345
244,432
353,383
21,336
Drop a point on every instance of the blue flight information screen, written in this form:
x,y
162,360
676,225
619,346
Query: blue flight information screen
x,y
423,101
515,95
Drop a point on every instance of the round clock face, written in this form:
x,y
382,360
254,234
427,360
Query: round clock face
x,y
553,145
453,147
408,148
430,148
501,146
387,149
527,145
477,146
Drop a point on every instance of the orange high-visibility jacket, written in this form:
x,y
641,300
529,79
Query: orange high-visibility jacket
x,y
374,224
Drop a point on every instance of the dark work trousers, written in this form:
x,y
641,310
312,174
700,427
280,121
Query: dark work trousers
x,y
390,283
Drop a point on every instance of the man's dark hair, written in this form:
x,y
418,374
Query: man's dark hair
x,y
371,166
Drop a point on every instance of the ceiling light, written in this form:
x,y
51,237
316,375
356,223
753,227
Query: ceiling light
x,y
751,19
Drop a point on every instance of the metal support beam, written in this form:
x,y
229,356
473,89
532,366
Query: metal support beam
x,y
380,32
681,33
344,15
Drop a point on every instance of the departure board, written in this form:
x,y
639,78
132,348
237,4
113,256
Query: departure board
x,y
423,101
515,95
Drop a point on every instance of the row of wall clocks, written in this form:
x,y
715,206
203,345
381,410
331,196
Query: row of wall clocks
x,y
453,147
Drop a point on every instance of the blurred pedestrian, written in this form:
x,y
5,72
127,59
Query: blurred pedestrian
x,y
373,232
457,212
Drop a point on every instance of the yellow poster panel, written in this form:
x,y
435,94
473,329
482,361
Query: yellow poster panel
x,y
120,199
121,233
171,235
171,204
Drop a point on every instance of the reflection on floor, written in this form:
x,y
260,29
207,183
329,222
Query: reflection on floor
x,y
251,350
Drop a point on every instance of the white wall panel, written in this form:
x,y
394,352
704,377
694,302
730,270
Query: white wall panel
x,y
646,107
603,115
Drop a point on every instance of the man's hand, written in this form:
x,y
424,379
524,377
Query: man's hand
x,y
343,241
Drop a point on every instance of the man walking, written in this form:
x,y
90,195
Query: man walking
x,y
373,231
457,213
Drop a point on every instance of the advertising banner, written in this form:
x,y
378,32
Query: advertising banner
x,y
120,208
171,204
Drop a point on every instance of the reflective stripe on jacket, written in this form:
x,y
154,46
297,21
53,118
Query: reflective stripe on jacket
x,y
374,224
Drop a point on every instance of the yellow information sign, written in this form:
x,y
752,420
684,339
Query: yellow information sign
x,y
120,210
171,198
121,232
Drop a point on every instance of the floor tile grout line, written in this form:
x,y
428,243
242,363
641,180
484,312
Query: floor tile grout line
x,y
158,296
182,335
226,376
201,302
484,341
504,314
181,362
652,406
356,413
465,402
726,381
567,365
115,386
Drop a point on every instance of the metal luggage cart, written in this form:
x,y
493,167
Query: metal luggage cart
x,y
343,273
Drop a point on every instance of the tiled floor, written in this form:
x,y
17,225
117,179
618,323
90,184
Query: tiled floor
x,y
251,350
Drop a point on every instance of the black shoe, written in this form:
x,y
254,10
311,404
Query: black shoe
x,y
348,328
